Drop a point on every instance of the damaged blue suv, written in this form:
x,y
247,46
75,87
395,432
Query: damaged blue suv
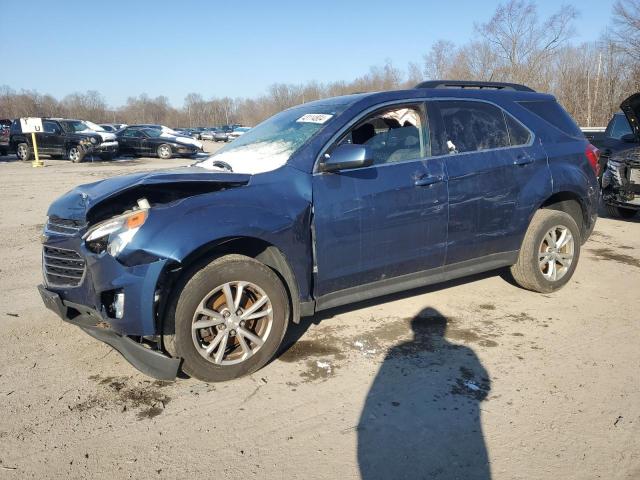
x,y
331,202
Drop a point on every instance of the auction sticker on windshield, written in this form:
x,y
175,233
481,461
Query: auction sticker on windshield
x,y
314,118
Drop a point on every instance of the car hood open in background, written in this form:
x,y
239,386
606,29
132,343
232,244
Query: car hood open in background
x,y
631,108
182,182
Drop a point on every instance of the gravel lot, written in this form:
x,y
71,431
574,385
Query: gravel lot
x,y
472,379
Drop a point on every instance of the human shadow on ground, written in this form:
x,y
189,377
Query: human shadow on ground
x,y
421,417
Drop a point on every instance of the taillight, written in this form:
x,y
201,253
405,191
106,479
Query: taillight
x,y
593,155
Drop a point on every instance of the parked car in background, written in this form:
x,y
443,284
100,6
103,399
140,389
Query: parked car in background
x,y
238,131
619,134
5,128
621,179
593,134
220,135
206,135
145,141
64,138
331,202
113,127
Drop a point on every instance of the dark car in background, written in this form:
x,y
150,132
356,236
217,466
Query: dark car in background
x,y
5,129
63,138
324,204
621,178
145,141
619,134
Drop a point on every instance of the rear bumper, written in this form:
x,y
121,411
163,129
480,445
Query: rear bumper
x,y
150,362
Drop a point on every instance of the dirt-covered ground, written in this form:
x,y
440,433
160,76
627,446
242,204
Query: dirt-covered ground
x,y
472,379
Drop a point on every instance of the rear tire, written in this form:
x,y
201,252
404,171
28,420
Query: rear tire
x,y
248,283
23,152
164,151
550,252
620,212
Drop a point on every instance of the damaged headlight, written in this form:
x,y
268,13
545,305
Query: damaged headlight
x,y
115,234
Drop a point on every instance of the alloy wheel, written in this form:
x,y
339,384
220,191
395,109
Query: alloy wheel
x,y
555,254
232,322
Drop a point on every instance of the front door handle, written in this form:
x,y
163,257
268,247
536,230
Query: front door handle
x,y
523,160
426,180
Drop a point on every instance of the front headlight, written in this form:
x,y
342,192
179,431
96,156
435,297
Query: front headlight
x,y
115,234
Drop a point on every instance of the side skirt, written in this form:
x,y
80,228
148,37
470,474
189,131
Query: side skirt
x,y
414,280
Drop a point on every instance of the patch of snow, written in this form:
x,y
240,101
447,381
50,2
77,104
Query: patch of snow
x,y
324,365
254,158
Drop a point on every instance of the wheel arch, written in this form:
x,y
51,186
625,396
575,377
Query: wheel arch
x,y
252,247
572,204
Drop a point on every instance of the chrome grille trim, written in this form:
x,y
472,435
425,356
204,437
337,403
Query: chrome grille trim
x,y
62,267
63,226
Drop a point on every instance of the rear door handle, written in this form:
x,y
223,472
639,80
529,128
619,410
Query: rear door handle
x,y
523,160
426,180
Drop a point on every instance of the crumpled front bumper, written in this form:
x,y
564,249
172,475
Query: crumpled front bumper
x,y
150,362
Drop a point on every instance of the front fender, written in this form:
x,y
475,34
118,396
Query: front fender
x,y
278,213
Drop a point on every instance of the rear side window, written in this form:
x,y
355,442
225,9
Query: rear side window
x,y
551,112
518,134
471,126
618,127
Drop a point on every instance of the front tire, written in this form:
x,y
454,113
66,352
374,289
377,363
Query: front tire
x,y
164,151
75,154
230,319
620,212
23,152
549,253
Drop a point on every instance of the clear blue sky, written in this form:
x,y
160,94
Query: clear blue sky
x,y
230,48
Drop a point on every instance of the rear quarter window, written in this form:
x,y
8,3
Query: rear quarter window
x,y
551,112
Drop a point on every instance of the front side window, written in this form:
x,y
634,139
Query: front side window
x,y
394,135
131,133
49,127
469,126
74,126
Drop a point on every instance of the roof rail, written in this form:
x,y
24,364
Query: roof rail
x,y
474,84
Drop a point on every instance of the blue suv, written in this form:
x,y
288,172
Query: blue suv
x,y
331,202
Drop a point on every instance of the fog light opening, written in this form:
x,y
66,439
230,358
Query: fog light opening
x,y
118,305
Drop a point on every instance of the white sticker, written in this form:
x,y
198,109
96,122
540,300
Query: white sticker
x,y
314,118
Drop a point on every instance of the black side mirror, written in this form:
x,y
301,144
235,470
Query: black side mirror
x,y
347,156
629,138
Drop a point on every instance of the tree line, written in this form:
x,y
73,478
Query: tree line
x,y
515,45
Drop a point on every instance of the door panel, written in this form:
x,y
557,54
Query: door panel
x,y
487,177
378,222
51,140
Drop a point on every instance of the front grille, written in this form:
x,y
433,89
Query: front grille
x,y
63,226
62,267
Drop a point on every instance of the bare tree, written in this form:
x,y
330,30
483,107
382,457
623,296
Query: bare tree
x,y
626,32
522,41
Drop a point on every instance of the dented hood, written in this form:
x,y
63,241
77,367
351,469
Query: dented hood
x,y
631,108
76,203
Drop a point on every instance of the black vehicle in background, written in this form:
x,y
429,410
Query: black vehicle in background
x,y
5,128
618,136
143,141
620,179
63,138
